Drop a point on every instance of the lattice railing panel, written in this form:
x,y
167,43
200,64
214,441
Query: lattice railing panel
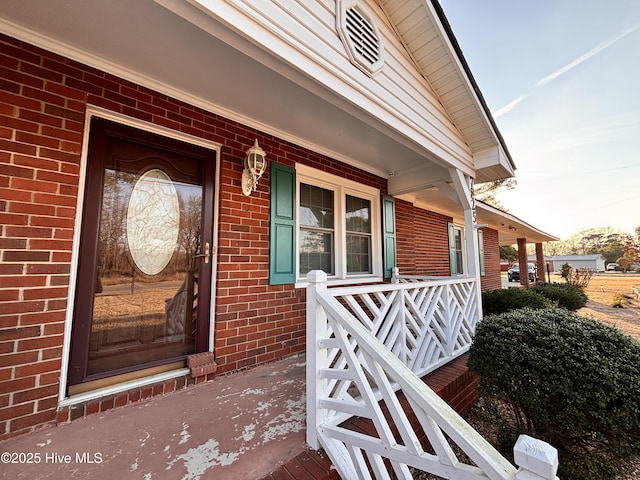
x,y
361,380
364,345
424,323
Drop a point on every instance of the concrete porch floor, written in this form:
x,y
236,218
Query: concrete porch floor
x,y
237,427
245,426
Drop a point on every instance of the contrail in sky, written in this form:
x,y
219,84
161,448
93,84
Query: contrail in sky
x,y
549,78
586,56
509,106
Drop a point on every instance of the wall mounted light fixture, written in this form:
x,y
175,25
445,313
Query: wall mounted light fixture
x,y
255,163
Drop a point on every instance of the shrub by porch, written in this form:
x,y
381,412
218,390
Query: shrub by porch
x,y
567,379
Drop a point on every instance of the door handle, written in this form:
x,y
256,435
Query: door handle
x,y
206,253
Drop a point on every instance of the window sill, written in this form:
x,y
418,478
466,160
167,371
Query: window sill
x,y
334,282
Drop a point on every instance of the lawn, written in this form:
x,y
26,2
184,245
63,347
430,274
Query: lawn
x,y
609,289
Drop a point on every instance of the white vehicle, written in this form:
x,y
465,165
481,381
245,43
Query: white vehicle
x,y
612,266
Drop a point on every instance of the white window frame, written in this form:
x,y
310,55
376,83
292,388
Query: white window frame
x,y
465,269
341,188
481,254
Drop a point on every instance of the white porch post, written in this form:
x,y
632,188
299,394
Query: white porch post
x,y
537,459
464,188
316,357
395,273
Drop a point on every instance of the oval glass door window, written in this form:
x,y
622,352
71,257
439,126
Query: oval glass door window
x,y
153,221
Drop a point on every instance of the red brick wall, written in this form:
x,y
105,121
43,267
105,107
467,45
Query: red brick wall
x,y
421,241
43,99
256,322
423,248
491,279
40,135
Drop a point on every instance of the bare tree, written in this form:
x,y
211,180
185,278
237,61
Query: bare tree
x,y
190,226
589,241
486,192
112,237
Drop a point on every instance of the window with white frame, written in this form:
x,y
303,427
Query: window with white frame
x,y
456,250
457,259
317,229
338,226
358,235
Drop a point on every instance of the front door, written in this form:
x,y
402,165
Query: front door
x,y
144,276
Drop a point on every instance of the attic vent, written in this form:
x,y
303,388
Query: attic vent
x,y
360,36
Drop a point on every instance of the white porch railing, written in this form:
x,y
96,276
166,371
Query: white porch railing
x,y
425,321
363,344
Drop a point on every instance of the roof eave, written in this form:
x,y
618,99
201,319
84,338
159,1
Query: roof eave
x,y
510,228
471,80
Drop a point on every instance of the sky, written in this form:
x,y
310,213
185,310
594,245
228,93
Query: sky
x,y
562,80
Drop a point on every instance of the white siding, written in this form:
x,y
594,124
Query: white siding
x,y
303,34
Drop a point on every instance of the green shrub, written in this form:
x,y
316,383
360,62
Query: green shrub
x,y
504,300
566,379
564,295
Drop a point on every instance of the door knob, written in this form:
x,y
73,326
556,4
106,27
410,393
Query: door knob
x,y
206,254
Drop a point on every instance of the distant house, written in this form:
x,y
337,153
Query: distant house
x,y
594,262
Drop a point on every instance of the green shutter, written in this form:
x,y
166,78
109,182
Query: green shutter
x,y
282,249
388,235
453,263
481,250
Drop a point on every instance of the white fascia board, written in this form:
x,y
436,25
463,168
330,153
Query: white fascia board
x,y
491,157
460,68
466,84
501,221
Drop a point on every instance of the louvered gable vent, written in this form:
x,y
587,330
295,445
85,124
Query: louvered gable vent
x,y
360,36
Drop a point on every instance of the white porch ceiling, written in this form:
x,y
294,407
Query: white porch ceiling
x,y
143,42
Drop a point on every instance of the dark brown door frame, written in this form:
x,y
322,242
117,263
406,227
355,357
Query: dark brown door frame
x,y
101,130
